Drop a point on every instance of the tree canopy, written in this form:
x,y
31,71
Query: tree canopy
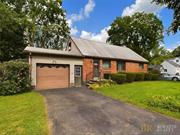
x,y
11,34
47,24
158,55
141,32
39,23
175,6
176,52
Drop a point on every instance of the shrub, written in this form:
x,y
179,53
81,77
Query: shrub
x,y
130,77
118,78
102,83
106,82
155,71
94,86
14,77
165,102
139,77
107,76
148,76
155,76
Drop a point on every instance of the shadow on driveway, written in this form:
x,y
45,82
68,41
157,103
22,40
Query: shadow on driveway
x,y
80,111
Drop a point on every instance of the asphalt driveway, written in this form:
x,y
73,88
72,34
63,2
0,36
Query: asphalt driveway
x,y
80,111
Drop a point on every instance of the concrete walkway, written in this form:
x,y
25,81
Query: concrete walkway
x,y
80,111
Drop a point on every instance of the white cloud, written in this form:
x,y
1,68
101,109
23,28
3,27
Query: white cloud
x,y
170,50
83,14
73,31
101,37
174,46
142,6
89,8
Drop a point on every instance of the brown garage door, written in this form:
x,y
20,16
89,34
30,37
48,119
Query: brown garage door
x,y
52,76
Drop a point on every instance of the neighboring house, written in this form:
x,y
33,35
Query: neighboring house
x,y
171,66
82,60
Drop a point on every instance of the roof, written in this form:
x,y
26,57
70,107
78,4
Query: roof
x,y
173,63
104,50
89,48
50,51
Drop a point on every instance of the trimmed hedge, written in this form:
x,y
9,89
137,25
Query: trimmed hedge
x,y
139,77
148,76
107,76
155,76
14,77
130,77
118,78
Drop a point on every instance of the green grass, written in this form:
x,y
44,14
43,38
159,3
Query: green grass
x,y
159,96
23,114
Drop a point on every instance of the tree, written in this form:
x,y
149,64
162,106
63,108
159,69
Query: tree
x,y
176,52
47,26
11,34
39,23
158,55
174,5
141,32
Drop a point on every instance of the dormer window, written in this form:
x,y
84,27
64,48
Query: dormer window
x,y
69,46
177,60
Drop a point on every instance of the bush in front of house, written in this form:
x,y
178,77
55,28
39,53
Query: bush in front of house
x,y
102,83
118,78
147,76
14,77
107,76
130,77
155,77
139,77
165,102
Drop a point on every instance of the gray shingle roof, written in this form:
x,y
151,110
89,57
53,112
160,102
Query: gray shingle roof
x,y
50,51
90,48
104,50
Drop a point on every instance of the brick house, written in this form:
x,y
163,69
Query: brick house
x,y
80,61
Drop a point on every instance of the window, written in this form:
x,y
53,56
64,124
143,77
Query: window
x,y
106,64
177,61
77,71
177,74
165,70
121,65
69,47
141,65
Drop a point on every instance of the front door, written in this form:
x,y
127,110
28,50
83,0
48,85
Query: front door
x,y
78,75
96,68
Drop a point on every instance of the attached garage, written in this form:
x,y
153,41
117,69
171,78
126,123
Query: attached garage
x,y
52,76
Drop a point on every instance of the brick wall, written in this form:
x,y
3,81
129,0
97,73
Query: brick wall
x,y
88,68
112,69
134,67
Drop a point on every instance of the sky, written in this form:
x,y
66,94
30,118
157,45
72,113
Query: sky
x,y
91,19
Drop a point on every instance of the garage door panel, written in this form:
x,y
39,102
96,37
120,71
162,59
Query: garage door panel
x,y
52,76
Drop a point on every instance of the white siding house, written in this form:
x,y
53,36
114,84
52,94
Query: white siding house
x,y
171,66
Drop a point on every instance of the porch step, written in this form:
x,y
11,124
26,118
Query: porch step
x,y
88,83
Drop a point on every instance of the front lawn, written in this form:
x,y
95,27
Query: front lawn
x,y
160,96
23,114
